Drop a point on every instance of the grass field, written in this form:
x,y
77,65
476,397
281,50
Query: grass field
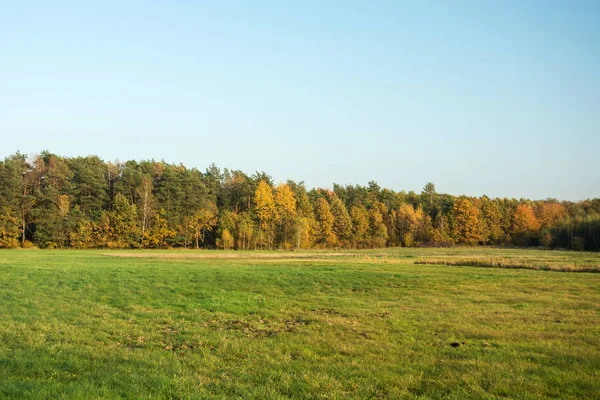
x,y
358,324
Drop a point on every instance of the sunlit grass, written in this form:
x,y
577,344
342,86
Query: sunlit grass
x,y
356,324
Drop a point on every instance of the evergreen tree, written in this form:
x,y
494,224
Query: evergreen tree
x,y
84,202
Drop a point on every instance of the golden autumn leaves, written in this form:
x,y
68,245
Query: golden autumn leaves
x,y
275,211
295,223
472,226
83,202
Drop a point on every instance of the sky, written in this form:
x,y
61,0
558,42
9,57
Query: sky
x,y
479,97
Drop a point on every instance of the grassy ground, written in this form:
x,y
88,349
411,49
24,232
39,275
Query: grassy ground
x,y
372,324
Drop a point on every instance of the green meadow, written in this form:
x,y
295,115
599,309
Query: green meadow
x,y
395,323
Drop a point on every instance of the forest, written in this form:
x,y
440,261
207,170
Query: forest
x,y
50,201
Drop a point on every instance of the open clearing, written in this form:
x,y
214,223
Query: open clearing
x,y
358,324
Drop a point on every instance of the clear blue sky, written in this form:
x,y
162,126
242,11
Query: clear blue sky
x,y
499,98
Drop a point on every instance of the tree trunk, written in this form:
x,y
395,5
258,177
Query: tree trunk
x,y
23,229
24,225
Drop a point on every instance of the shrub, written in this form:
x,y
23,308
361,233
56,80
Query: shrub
x,y
28,245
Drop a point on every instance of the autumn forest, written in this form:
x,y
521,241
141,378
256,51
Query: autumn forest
x,y
51,201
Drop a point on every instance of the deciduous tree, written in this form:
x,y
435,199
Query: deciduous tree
x,y
204,220
9,229
264,207
378,228
525,225
342,222
285,212
466,223
326,236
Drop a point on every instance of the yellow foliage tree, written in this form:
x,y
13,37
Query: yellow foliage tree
x,y
9,229
285,211
410,223
304,232
360,226
379,232
264,207
159,232
202,221
491,220
305,227
325,219
117,228
226,241
82,236
467,226
245,229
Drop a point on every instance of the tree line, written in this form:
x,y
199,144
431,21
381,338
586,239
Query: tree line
x,y
51,201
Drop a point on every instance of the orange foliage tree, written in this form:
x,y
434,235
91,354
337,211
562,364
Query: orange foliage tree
x,y
525,225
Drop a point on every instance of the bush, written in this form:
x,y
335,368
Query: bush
x,y
407,239
28,245
8,242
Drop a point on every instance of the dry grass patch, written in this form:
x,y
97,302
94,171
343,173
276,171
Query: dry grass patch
x,y
511,263
210,254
